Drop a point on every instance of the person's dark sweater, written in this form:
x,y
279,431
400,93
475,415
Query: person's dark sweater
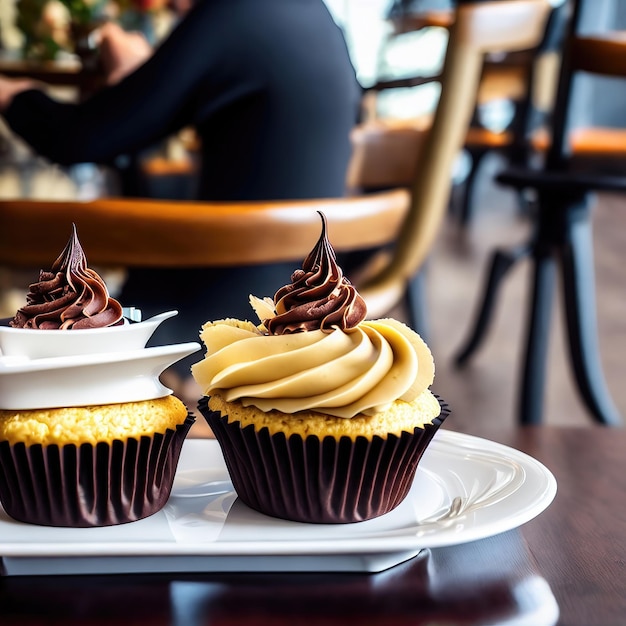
x,y
268,85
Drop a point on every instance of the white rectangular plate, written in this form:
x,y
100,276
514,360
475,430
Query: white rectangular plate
x,y
465,489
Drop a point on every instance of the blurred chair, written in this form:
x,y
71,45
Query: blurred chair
x,y
138,232
526,80
562,240
515,92
421,155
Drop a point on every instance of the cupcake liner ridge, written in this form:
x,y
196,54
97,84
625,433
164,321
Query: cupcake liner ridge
x,y
90,485
315,480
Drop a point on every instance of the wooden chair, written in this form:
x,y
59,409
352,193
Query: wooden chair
x,y
522,77
527,80
562,239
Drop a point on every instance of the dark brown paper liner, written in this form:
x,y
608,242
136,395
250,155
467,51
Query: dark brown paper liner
x,y
90,485
328,481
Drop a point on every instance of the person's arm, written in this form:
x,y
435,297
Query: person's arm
x,y
10,87
121,52
156,100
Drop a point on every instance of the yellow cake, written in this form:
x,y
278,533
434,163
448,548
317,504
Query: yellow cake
x,y
92,424
399,417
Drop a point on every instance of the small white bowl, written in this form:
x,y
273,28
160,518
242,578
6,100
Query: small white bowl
x,y
42,344
83,380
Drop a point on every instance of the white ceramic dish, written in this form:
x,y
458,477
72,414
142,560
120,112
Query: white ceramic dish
x,y
465,489
41,344
84,379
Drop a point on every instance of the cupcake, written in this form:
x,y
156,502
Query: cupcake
x,y
322,416
83,464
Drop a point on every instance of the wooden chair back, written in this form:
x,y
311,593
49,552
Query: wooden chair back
x,y
573,144
602,54
579,145
135,232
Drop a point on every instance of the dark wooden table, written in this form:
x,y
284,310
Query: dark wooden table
x,y
566,566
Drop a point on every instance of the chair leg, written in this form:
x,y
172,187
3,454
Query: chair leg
x,y
524,202
530,402
416,304
501,262
580,314
465,210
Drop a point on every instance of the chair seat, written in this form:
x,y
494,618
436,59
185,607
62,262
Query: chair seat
x,y
575,182
597,160
486,139
386,153
502,82
412,22
160,166
592,142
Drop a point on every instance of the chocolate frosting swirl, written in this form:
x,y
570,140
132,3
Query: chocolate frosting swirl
x,y
69,296
319,296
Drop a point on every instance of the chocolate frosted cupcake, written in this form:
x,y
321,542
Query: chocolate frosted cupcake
x,y
321,416
84,464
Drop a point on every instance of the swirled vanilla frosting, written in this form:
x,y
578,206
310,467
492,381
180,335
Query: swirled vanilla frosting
x,y
314,350
69,296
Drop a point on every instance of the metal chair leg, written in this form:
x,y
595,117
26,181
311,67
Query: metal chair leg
x,y
416,304
532,387
466,208
501,262
580,315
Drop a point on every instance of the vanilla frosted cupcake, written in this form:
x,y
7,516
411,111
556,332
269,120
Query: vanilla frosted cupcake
x,y
94,465
321,415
